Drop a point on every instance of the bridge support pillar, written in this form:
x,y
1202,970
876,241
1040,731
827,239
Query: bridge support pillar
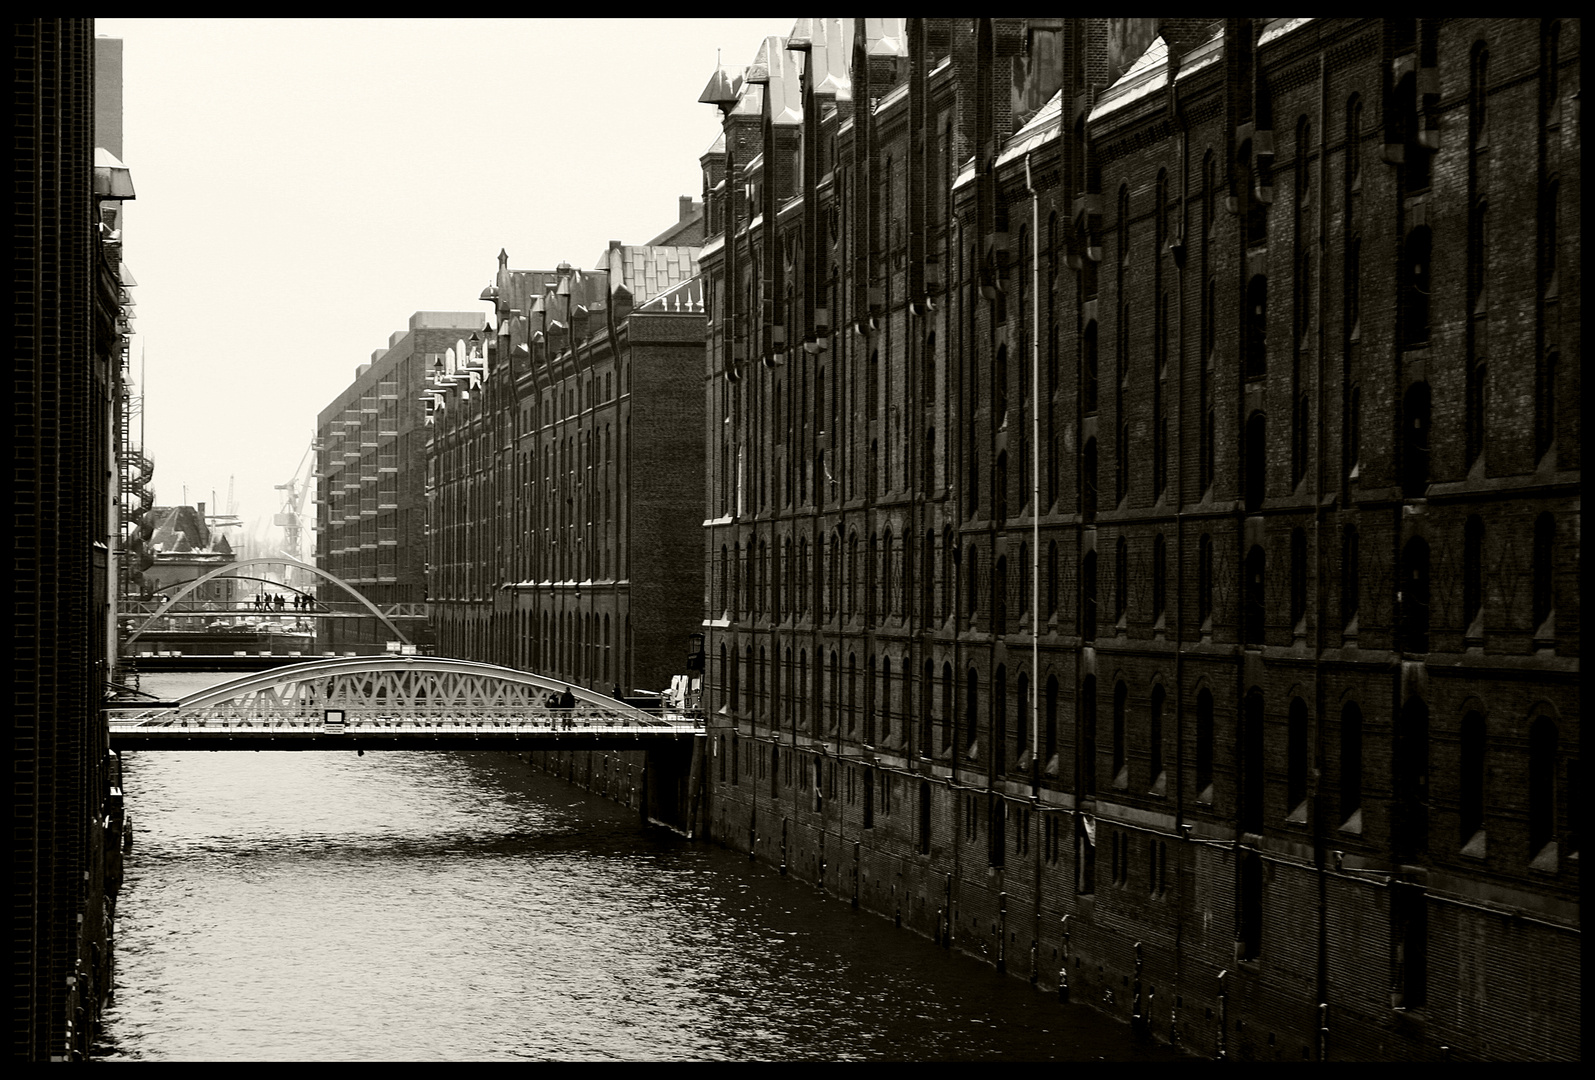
x,y
669,777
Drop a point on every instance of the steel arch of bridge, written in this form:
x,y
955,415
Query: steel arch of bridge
x,y
393,689
231,569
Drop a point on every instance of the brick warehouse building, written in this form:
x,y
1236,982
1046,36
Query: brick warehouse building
x,y
371,480
564,485
1143,511
69,335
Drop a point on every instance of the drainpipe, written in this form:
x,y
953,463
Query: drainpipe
x,y
1035,486
1063,967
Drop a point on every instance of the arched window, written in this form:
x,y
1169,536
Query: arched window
x,y
1088,364
974,483
1544,593
1024,578
1253,605
869,701
999,390
1542,791
1052,578
1159,577
800,602
1088,596
836,692
852,693
1204,746
970,561
1204,581
1545,403
1121,765
852,573
1256,461
1154,739
1088,481
1472,784
971,711
1415,596
1121,581
1472,571
1351,767
1001,481
886,573
999,597
1022,717
1301,441
1410,834
1298,576
1252,758
1475,405
1415,440
1049,745
1088,736
947,717
886,699
1296,757
999,721
1349,585
1256,340
1417,285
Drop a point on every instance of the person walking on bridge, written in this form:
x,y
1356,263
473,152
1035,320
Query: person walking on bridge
x,y
567,702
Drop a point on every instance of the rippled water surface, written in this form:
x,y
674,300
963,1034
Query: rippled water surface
x,y
413,906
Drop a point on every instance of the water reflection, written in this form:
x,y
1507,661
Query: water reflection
x,y
412,905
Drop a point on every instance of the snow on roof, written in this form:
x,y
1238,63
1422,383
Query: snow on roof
x,y
1040,129
1148,75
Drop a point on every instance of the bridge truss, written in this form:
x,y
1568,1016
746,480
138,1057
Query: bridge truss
x,y
383,702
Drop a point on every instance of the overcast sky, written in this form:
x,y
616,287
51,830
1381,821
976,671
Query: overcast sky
x,y
304,186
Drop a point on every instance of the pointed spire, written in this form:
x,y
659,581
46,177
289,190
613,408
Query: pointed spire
x,y
719,92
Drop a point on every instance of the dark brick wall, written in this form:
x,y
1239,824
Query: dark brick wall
x,y
566,504
1167,356
64,370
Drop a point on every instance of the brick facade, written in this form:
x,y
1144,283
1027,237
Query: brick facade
x,y
66,371
565,485
371,479
1143,525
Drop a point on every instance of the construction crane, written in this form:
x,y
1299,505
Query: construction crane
x,y
219,520
290,517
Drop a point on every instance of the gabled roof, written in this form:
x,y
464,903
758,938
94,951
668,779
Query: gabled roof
x,y
685,298
1148,75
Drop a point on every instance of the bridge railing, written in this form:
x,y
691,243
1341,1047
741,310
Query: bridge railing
x,y
482,720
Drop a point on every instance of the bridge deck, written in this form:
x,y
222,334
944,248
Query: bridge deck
x,y
485,732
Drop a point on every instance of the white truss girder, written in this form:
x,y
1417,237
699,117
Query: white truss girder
x,y
381,690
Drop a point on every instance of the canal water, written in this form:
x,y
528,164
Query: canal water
x,y
438,906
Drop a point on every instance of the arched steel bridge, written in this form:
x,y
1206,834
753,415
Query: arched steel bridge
x,y
362,607
393,703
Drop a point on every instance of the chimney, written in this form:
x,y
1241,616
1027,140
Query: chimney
x,y
202,513
685,203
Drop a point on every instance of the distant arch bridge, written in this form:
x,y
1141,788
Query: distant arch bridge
x,y
394,703
173,603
